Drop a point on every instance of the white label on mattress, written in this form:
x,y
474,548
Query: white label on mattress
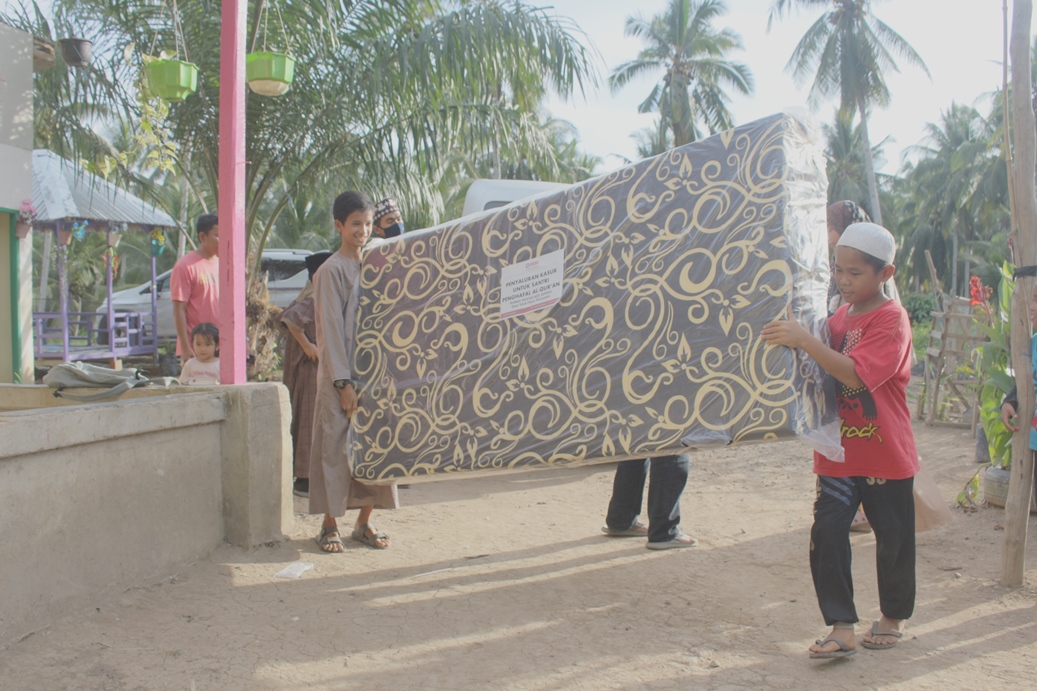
x,y
532,284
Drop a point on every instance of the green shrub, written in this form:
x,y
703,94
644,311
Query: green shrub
x,y
920,338
919,307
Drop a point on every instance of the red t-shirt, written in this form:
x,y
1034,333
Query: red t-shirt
x,y
875,420
195,281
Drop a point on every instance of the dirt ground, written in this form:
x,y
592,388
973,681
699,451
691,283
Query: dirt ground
x,y
507,583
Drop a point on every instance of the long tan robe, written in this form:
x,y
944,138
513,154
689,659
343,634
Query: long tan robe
x,y
333,490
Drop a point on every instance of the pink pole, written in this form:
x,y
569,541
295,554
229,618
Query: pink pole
x,y
231,197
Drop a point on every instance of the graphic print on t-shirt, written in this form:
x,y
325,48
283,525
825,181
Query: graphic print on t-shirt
x,y
857,399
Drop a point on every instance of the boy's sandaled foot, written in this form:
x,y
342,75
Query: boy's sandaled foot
x,y
638,529
881,640
330,541
826,651
371,536
839,643
681,539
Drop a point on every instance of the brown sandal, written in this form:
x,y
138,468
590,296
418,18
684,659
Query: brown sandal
x,y
360,535
328,537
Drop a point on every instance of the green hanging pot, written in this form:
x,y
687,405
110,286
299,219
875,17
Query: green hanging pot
x,y
172,80
269,74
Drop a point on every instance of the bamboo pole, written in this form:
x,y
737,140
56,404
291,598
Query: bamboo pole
x,y
1024,138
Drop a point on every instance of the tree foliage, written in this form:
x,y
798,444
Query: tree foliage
x,y
683,43
849,51
384,91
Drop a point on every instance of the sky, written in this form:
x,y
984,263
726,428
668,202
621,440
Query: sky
x,y
962,47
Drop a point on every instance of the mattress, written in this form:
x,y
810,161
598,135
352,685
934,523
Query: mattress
x,y
618,318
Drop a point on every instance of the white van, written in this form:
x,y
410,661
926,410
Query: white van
x,y
492,194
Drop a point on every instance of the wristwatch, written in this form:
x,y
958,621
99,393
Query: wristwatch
x,y
341,383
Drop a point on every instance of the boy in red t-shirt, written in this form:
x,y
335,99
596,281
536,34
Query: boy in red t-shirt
x,y
871,359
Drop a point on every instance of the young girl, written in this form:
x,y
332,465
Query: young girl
x,y
204,368
871,359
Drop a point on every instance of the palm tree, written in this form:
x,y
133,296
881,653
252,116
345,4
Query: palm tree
x,y
683,43
383,88
849,50
958,195
652,141
845,166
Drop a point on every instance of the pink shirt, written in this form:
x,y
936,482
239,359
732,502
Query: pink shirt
x,y
195,281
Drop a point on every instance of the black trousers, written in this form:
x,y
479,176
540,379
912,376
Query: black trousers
x,y
890,507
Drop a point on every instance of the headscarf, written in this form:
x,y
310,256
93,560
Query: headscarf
x,y
844,213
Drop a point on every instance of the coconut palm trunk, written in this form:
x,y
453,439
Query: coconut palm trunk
x,y
869,163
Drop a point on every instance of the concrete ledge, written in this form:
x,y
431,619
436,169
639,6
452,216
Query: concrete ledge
x,y
97,498
257,464
81,521
34,431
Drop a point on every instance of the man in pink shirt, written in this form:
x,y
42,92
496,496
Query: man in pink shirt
x,y
194,286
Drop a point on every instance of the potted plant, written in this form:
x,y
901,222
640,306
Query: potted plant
x,y
170,79
268,73
993,363
26,217
77,52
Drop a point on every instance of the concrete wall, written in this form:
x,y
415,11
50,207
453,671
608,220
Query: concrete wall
x,y
15,117
16,136
98,498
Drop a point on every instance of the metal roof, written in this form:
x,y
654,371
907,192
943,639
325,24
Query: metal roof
x,y
63,190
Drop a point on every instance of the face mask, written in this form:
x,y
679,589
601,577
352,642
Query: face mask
x,y
394,230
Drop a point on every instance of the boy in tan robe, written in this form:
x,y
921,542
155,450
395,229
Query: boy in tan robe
x,y
336,286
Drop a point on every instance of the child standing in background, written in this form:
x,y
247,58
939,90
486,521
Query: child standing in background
x,y
204,368
871,358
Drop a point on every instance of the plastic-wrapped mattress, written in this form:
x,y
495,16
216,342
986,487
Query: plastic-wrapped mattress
x,y
619,318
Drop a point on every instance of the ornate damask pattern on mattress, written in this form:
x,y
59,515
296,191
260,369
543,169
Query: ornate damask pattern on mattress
x,y
619,318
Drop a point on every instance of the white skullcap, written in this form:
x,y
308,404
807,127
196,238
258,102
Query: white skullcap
x,y
869,238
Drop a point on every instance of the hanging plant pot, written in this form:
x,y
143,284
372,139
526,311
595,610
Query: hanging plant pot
x,y
269,74
77,52
172,80
21,230
64,236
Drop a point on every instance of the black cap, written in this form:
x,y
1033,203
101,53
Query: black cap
x,y
314,261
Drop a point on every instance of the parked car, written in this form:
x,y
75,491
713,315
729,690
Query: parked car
x,y
285,275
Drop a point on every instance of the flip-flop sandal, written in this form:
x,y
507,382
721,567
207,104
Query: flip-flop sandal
x,y
844,650
678,541
882,646
638,529
360,535
326,539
